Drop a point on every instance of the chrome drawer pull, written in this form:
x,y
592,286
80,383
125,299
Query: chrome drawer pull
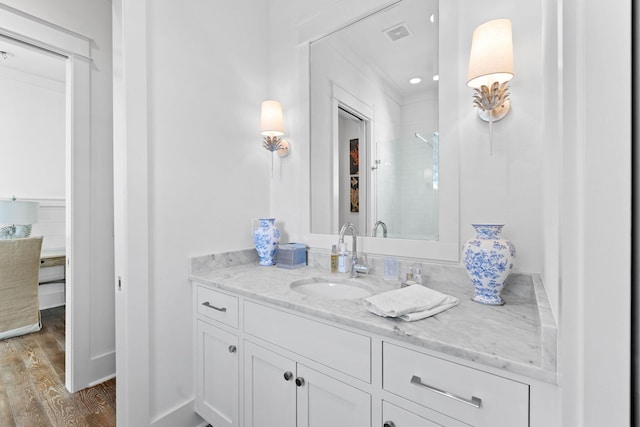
x,y
206,304
475,402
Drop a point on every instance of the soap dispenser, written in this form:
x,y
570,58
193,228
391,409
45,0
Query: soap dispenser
x,y
334,258
343,259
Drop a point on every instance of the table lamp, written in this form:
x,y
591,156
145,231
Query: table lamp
x,y
20,215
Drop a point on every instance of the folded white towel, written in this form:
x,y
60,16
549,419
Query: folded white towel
x,y
410,303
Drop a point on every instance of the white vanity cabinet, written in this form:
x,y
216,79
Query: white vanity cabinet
x,y
281,392
217,358
260,365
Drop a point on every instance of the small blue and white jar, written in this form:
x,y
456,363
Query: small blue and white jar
x,y
266,238
488,259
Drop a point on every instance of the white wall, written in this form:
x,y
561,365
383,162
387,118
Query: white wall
x,y
33,141
595,214
208,173
505,187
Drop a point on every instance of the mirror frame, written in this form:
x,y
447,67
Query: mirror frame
x,y
447,248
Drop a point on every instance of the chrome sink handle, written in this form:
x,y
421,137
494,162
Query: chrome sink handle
x,y
356,268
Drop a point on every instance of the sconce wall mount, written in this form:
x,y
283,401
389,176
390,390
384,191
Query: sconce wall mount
x,y
272,128
493,103
490,69
274,143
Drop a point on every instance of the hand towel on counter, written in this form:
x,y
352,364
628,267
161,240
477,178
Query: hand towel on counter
x,y
410,303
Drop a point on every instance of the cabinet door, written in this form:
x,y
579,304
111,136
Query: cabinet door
x,y
217,372
324,401
270,391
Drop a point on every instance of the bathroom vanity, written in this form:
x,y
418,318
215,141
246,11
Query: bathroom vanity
x,y
269,355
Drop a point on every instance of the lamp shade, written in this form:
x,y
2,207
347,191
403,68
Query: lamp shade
x,y
16,212
271,122
491,58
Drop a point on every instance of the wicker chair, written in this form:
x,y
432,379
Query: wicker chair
x,y
19,305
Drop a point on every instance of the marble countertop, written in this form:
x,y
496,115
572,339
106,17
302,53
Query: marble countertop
x,y
519,337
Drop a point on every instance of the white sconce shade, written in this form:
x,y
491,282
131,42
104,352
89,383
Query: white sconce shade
x,y
491,58
271,121
272,128
18,212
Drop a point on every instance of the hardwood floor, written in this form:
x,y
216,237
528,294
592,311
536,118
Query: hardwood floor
x,y
32,392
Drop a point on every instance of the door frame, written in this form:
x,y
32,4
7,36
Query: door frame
x,y
76,48
131,217
343,99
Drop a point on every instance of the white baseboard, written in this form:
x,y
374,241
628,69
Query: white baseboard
x,y
184,415
51,295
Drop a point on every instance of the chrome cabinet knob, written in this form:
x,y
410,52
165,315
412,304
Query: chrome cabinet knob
x,y
389,424
299,381
232,349
288,375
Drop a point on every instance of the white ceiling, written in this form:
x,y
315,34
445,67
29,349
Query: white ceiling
x,y
413,56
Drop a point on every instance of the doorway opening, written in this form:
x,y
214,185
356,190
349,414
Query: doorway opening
x,y
353,170
33,84
89,344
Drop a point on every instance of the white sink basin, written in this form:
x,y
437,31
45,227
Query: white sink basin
x,y
332,288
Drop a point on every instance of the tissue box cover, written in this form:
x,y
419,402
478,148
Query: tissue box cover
x,y
292,255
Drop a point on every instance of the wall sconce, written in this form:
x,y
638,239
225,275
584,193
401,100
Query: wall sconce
x,y
490,68
272,128
20,215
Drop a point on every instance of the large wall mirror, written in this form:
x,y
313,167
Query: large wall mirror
x,y
383,151
374,128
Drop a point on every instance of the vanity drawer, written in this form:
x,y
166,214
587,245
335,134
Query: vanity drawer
x,y
339,349
469,395
218,306
394,416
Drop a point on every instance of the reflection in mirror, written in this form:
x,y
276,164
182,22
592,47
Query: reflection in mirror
x,y
374,125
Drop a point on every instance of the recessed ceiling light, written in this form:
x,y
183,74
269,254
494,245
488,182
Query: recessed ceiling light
x,y
415,80
436,77
432,18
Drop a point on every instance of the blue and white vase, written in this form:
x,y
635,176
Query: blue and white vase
x,y
488,259
266,238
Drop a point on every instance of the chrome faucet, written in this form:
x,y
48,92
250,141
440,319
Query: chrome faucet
x,y
375,229
356,267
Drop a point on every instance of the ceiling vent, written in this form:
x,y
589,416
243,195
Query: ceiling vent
x,y
398,32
